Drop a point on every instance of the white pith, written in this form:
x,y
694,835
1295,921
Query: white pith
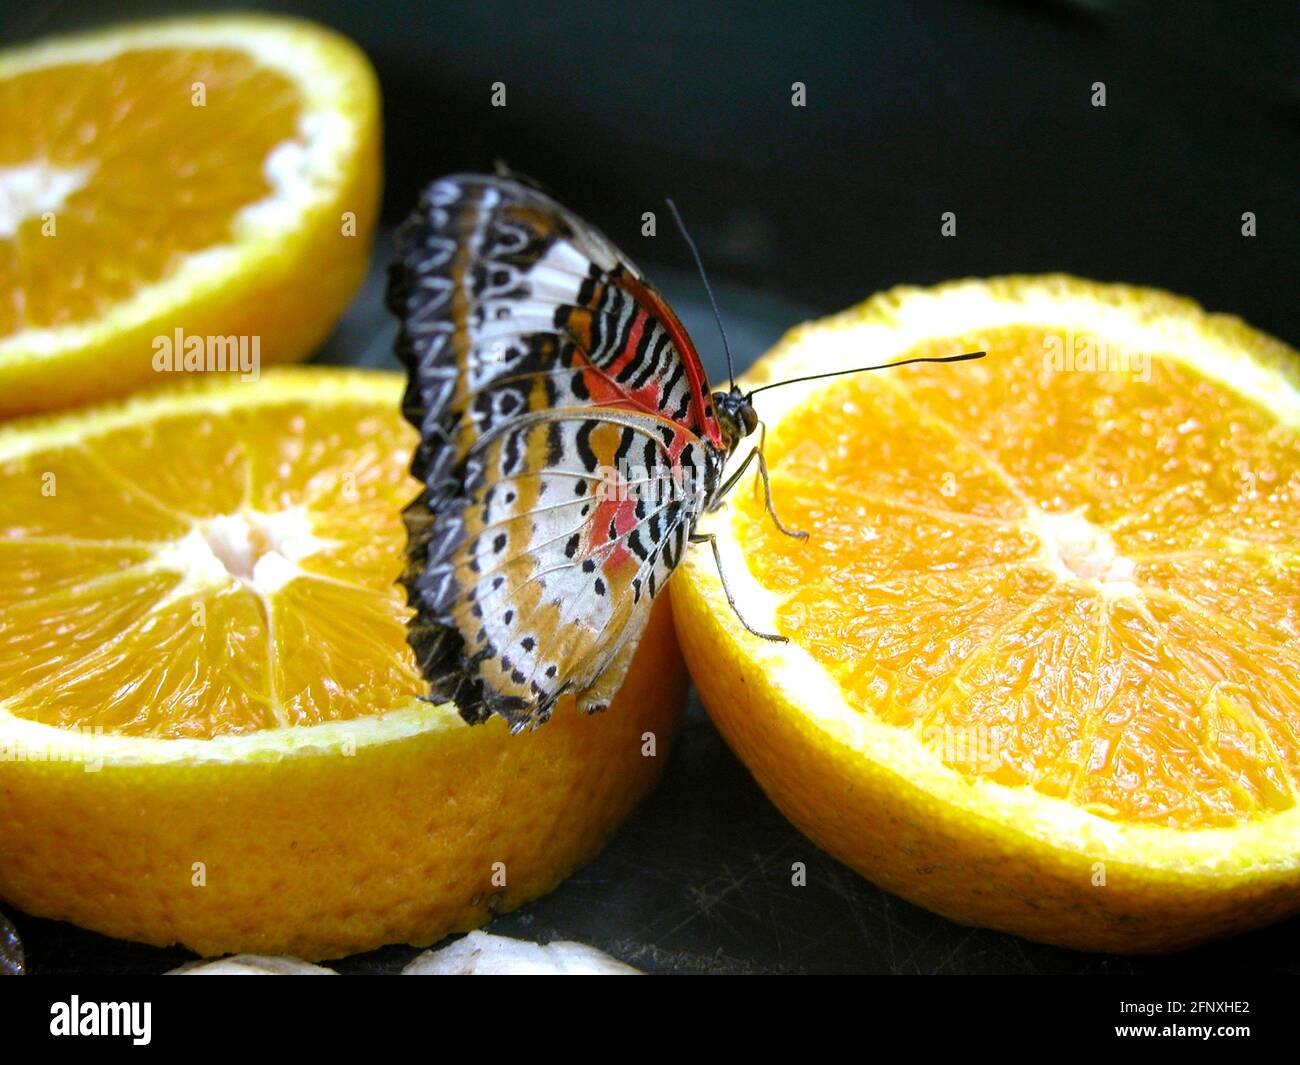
x,y
30,190
1074,549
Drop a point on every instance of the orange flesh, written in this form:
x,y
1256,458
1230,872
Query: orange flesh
x,y
160,177
136,593
1080,582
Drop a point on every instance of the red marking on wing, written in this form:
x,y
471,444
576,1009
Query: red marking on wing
x,y
615,516
606,392
649,299
633,339
619,513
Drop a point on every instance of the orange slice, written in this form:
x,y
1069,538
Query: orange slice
x,y
209,725
178,195
1045,635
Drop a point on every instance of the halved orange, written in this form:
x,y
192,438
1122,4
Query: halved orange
x,y
209,725
178,195
1045,635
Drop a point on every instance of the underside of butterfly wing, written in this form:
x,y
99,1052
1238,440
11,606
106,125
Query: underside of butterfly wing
x,y
567,445
564,547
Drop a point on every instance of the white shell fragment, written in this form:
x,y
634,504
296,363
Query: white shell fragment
x,y
477,954
252,965
480,954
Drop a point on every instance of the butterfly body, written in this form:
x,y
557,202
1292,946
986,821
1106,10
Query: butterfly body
x,y
569,444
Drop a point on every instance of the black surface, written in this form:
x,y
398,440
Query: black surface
x,y
913,110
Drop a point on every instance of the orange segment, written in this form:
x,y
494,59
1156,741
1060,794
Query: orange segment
x,y
133,121
175,196
340,650
45,498
1047,623
204,674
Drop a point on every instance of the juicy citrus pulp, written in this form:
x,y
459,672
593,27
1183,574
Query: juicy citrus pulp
x,y
183,175
1092,579
213,571
209,730
1068,575
118,234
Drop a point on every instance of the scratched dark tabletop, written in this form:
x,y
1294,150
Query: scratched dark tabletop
x,y
698,880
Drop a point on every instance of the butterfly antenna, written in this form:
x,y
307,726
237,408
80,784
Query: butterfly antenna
x,y
863,369
699,263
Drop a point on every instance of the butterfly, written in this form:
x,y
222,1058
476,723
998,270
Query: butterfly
x,y
569,443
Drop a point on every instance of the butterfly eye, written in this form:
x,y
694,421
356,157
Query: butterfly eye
x,y
749,418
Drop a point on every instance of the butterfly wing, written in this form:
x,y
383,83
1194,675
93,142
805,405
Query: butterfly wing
x,y
540,362
569,523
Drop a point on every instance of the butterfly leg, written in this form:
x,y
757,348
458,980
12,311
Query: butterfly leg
x,y
729,483
762,443
721,494
798,534
712,541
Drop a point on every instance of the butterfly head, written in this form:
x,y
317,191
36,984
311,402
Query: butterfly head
x,y
736,416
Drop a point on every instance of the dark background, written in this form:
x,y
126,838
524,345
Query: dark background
x,y
982,109
914,109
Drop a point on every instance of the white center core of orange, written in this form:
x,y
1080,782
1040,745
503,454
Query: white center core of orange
x,y
256,549
261,549
34,189
1076,549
